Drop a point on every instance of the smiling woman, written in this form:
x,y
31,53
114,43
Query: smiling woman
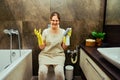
x,y
52,49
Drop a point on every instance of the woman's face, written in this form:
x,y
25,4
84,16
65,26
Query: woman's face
x,y
54,22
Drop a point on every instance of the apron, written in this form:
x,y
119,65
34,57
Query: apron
x,y
53,53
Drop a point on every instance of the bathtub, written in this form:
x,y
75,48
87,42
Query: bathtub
x,y
16,64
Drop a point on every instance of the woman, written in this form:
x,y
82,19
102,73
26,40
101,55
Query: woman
x,y
52,50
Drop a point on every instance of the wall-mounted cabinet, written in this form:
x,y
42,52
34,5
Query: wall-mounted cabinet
x,y
90,69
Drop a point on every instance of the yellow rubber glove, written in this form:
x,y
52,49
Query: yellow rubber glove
x,y
39,36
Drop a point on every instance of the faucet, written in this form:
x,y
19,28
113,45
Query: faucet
x,y
12,32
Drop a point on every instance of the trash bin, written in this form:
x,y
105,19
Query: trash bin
x,y
69,72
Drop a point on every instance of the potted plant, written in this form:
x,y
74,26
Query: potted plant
x,y
99,36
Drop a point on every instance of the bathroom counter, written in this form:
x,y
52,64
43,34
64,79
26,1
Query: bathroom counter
x,y
112,71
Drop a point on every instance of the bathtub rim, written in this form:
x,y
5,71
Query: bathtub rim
x,y
12,66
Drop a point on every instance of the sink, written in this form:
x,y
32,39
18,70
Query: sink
x,y
111,54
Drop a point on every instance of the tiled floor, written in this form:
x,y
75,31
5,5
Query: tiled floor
x,y
51,75
75,78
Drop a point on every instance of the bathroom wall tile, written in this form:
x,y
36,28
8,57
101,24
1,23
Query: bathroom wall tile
x,y
2,2
35,10
28,10
5,13
78,9
11,10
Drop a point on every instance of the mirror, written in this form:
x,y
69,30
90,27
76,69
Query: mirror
x,y
112,12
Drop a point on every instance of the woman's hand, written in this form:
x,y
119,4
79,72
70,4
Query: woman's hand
x,y
64,46
42,46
